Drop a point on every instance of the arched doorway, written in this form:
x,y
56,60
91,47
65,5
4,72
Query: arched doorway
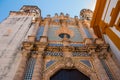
x,y
69,74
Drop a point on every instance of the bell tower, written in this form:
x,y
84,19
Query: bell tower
x,y
19,26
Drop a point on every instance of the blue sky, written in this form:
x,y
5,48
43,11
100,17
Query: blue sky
x,y
51,7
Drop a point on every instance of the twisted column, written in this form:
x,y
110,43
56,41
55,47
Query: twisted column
x,y
113,67
38,68
99,68
22,67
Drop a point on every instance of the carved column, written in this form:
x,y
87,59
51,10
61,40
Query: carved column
x,y
31,38
113,67
45,32
38,68
22,67
99,68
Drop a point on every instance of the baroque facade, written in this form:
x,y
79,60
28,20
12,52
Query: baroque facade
x,y
34,48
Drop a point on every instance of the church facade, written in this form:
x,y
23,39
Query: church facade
x,y
61,47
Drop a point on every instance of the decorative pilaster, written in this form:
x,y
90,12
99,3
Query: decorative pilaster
x,y
114,68
23,64
22,67
99,68
38,68
44,37
102,49
37,23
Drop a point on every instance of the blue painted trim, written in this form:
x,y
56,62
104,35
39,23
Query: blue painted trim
x,y
86,62
76,45
55,44
50,63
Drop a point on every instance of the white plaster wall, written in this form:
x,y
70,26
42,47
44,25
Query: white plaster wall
x,y
115,50
117,18
114,28
12,32
112,5
105,9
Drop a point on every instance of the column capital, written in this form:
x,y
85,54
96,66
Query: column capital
x,y
34,55
27,45
103,54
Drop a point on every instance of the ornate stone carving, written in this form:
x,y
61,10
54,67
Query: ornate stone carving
x,y
86,14
68,62
27,45
69,52
31,38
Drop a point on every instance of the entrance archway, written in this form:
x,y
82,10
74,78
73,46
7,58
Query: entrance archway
x,y
69,74
51,71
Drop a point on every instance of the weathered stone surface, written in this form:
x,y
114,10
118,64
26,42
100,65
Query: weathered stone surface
x,y
12,32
